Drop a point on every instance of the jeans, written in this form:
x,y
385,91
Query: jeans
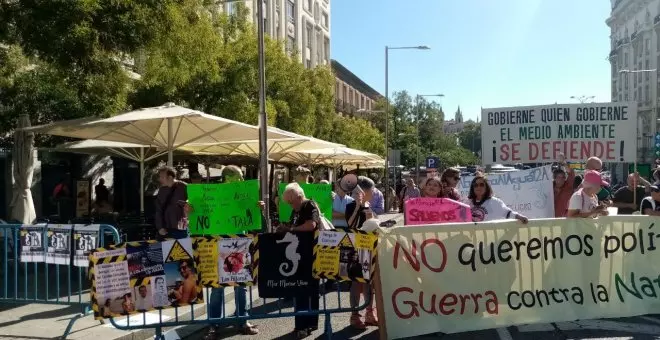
x,y
217,301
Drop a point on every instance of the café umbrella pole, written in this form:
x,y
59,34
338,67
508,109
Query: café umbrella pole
x,y
263,120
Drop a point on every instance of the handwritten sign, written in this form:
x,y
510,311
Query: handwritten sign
x,y
430,210
528,192
538,134
340,255
502,274
319,193
221,209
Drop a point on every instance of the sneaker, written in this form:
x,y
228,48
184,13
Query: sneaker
x,y
249,329
356,322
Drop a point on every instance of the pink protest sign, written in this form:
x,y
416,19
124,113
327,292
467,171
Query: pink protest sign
x,y
429,210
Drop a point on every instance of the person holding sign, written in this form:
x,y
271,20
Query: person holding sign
x,y
485,206
563,182
230,174
584,202
305,217
357,213
432,187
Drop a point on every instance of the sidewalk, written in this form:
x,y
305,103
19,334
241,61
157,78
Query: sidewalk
x,y
39,321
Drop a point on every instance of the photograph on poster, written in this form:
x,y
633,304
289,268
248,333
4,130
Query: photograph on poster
x,y
145,260
143,297
234,260
181,281
159,291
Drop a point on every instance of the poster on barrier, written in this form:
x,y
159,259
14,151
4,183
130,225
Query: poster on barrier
x,y
319,193
142,276
58,249
501,274
32,243
224,209
528,192
287,269
226,260
340,255
85,240
433,210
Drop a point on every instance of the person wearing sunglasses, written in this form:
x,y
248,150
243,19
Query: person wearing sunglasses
x,y
186,292
230,174
486,207
450,179
432,187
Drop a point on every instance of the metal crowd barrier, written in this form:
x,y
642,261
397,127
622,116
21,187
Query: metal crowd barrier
x,y
267,309
44,283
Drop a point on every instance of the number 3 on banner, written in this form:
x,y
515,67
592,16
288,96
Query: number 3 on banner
x,y
203,222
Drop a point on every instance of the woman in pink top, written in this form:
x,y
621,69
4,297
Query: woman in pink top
x,y
584,202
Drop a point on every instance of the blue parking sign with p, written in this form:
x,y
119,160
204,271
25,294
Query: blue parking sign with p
x,y
432,162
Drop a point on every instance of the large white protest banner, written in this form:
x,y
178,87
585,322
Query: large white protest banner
x,y
460,277
538,134
528,192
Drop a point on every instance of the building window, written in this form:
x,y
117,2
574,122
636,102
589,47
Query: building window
x,y
648,75
308,63
309,36
310,5
647,94
647,46
326,50
625,59
345,96
324,20
290,11
362,102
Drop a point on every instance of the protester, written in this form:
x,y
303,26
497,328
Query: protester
x,y
485,206
628,198
302,175
584,202
595,164
651,204
357,213
171,205
305,217
339,203
563,182
377,201
450,179
410,190
230,174
656,177
432,187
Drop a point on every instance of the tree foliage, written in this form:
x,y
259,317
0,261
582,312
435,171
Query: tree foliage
x,y
66,59
416,122
470,137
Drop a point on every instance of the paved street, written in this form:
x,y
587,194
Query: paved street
x,y
637,328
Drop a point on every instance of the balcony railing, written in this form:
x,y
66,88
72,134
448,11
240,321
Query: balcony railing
x,y
656,20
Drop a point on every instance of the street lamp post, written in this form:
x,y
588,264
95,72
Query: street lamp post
x,y
387,114
263,118
417,127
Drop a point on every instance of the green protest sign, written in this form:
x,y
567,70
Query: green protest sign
x,y
221,209
320,193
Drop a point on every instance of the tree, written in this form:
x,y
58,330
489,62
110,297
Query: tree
x,y
470,137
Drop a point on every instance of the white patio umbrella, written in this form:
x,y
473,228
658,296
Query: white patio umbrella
x,y
327,156
166,127
250,148
135,152
22,205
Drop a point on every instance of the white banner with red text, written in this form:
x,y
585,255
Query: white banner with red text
x,y
461,277
538,134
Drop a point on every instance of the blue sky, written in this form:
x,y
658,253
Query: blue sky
x,y
483,52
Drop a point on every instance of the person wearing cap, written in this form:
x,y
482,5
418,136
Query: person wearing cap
x,y
651,204
628,198
584,202
595,164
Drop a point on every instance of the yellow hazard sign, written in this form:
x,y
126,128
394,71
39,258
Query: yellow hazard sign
x,y
177,253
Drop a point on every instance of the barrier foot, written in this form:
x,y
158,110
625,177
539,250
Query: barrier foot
x,y
70,325
327,327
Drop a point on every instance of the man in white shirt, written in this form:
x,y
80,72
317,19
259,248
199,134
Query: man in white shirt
x,y
143,299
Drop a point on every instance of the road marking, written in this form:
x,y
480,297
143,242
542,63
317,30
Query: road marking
x,y
504,334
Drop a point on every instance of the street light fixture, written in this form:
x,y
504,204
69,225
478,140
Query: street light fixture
x,y
440,95
387,113
583,99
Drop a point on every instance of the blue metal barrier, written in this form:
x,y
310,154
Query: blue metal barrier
x,y
40,282
253,312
